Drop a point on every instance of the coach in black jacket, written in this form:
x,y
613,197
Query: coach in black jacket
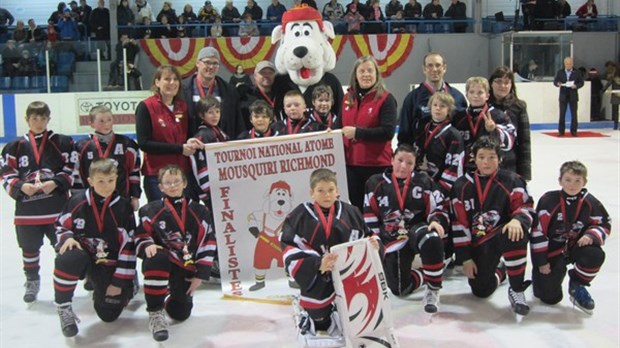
x,y
569,80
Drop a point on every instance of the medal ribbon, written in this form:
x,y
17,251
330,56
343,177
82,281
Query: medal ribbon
x,y
38,150
327,224
482,196
179,220
401,195
98,146
99,217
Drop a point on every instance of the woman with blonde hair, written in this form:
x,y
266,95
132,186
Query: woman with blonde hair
x,y
368,124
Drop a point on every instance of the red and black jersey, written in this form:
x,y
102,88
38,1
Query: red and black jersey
x,y
183,228
328,121
442,149
305,237
390,202
206,134
481,205
34,159
288,126
563,219
117,147
105,229
470,123
254,134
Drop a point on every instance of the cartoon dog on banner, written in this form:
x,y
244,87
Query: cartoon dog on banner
x,y
265,225
305,55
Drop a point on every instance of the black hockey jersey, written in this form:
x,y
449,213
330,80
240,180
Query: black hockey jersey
x,y
441,153
36,159
184,228
198,160
254,134
481,205
305,239
324,122
563,219
105,229
422,201
122,150
470,123
288,126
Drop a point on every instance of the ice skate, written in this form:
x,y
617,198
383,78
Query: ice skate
x,y
158,325
518,303
32,290
308,336
68,320
580,297
431,300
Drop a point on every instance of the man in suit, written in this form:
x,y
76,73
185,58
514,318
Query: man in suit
x,y
569,80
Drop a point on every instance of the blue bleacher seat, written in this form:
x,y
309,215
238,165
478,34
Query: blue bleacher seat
x,y
60,83
38,84
20,82
5,83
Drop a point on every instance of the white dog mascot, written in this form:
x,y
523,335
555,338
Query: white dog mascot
x,y
305,56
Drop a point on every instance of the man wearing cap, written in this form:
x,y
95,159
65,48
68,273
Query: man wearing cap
x,y
264,75
205,82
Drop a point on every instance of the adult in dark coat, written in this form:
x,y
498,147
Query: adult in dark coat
x,y
206,82
569,80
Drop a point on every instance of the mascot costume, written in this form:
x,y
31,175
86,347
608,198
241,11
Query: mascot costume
x,y
304,57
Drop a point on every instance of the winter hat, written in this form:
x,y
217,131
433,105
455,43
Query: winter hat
x,y
283,185
302,13
208,52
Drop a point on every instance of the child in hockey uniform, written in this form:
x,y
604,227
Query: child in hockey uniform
x,y
37,173
492,216
441,145
261,117
308,233
322,101
572,228
481,119
104,143
95,235
296,120
407,210
208,109
176,242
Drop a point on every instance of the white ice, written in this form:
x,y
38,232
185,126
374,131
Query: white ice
x,y
462,321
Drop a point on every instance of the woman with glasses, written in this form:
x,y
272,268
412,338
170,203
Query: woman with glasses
x,y
162,129
504,97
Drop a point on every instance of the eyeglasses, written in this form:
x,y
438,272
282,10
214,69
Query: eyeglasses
x,y
171,183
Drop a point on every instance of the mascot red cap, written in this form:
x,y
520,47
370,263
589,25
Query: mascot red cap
x,y
283,185
302,13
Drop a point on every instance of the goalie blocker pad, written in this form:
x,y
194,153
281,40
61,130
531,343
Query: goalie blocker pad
x,y
362,295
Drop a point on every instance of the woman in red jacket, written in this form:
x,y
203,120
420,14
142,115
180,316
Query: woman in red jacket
x,y
162,129
368,123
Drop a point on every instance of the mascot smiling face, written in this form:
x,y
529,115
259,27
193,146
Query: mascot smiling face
x,y
305,52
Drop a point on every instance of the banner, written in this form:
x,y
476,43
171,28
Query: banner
x,y
390,50
254,185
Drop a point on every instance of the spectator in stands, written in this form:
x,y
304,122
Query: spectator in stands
x,y
182,29
254,10
376,19
20,34
433,10
168,11
216,29
240,80
58,14
310,3
544,15
67,27
275,11
27,65
188,13
6,19
587,10
457,10
230,14
354,19
35,34
124,16
145,31
397,27
100,25
504,97
10,58
168,30
413,10
84,13
132,50
333,10
392,8
142,9
612,75
561,9
528,7
360,8
207,13
248,27
52,34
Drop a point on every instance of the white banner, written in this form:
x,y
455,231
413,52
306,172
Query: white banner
x,y
254,185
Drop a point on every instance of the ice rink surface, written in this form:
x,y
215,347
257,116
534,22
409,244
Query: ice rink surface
x,y
462,321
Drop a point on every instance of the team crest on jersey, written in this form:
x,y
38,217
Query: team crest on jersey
x,y
485,222
118,150
90,155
